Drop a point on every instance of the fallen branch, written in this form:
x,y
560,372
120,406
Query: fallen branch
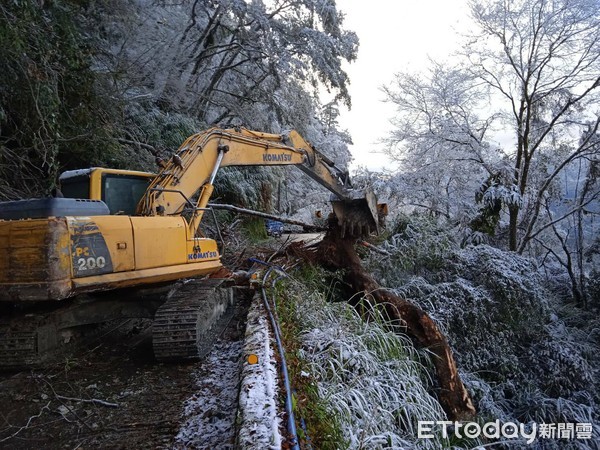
x,y
250,212
335,252
66,406
91,400
375,248
47,407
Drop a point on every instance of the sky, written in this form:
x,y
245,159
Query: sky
x,y
395,35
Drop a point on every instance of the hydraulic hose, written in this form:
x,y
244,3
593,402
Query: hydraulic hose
x,y
291,422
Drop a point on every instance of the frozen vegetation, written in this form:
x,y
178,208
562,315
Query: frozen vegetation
x,y
116,83
372,380
524,355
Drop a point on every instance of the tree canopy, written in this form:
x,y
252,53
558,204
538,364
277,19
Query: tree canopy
x,y
504,137
116,82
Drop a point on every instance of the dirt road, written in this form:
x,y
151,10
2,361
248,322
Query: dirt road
x,y
112,394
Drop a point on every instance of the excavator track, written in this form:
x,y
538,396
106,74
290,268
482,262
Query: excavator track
x,y
29,340
18,347
187,324
26,342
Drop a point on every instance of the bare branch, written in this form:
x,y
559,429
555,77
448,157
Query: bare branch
x,y
24,427
95,401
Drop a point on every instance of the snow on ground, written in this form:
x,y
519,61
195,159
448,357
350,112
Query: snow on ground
x,y
209,414
259,423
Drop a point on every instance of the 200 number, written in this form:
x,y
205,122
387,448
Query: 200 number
x,y
91,263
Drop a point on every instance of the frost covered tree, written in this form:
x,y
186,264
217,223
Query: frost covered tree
x,y
530,71
184,66
440,140
232,61
568,239
115,83
523,355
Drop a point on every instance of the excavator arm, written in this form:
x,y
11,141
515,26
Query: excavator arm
x,y
192,171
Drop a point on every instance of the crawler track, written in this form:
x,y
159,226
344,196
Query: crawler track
x,y
189,318
188,323
18,347
156,402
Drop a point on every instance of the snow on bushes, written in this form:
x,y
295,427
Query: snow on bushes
x,y
523,358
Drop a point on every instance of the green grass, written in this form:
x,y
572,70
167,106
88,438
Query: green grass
x,y
255,230
322,426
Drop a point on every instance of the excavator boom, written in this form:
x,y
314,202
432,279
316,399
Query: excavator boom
x,y
197,161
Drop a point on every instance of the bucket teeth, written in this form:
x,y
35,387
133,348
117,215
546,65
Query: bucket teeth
x,y
357,216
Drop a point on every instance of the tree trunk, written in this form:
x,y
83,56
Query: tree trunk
x,y
335,252
513,221
251,212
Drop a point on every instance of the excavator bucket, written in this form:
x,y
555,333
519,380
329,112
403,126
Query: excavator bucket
x,y
359,215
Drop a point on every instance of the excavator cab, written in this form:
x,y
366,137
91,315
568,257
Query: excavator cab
x,y
121,190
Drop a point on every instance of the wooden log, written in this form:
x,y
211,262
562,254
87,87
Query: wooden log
x,y
250,212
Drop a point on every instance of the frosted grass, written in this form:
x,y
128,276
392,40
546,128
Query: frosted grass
x,y
372,379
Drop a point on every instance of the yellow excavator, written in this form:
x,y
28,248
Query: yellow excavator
x,y
117,229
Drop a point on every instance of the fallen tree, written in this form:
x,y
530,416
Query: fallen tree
x,y
335,252
251,212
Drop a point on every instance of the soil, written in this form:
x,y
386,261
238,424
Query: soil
x,y
110,393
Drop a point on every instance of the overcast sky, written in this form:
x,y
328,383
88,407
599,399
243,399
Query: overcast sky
x,y
395,35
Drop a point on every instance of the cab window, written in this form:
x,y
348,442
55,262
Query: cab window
x,y
122,193
76,187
